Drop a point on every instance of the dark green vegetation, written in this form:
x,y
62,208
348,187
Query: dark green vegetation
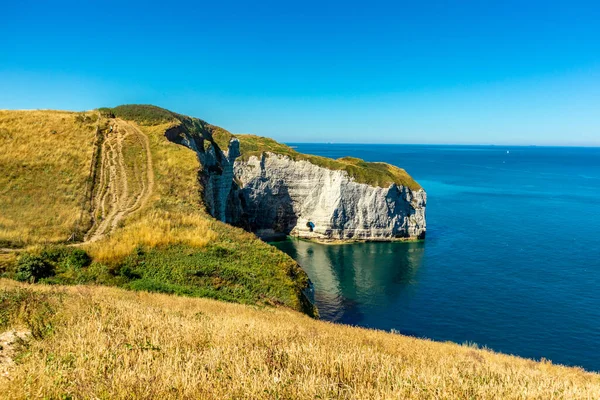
x,y
34,267
232,270
144,114
372,173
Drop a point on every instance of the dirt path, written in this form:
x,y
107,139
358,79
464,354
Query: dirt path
x,y
116,196
123,186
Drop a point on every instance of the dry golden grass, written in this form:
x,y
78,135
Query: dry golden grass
x,y
44,163
135,163
45,160
175,168
112,344
154,228
6,260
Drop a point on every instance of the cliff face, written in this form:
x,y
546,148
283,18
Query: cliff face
x,y
274,195
216,175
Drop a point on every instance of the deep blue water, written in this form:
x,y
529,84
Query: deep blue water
x,y
511,260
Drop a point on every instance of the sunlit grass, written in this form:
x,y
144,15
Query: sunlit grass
x,y
153,229
98,342
45,161
173,214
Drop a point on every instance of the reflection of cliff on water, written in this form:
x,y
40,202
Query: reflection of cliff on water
x,y
346,277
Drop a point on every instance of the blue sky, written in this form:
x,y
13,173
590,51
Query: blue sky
x,y
510,72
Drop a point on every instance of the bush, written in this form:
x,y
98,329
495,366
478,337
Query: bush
x,y
50,262
151,285
65,257
76,258
144,114
32,268
106,112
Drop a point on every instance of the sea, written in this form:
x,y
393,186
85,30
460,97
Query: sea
x,y
511,260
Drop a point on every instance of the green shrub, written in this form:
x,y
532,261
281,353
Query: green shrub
x,y
32,268
150,285
51,261
144,114
54,254
106,112
76,258
66,257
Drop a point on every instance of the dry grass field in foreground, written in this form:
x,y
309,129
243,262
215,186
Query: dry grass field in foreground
x,y
99,342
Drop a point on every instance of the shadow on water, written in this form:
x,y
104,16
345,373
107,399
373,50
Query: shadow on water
x,y
349,279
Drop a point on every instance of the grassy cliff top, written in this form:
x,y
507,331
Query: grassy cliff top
x,y
149,115
372,173
100,342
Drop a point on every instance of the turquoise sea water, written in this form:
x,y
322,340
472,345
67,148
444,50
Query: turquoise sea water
x,y
511,260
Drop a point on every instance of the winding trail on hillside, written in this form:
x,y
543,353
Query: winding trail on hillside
x,y
116,196
119,190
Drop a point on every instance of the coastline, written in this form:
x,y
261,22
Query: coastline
x,y
341,242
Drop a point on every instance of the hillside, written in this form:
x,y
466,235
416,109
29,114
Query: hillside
x,y
126,201
116,188
45,160
82,342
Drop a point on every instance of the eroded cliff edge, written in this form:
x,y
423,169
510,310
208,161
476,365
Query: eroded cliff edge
x,y
276,195
270,189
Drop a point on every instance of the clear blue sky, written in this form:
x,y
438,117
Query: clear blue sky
x,y
510,72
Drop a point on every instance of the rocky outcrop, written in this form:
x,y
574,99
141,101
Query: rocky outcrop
x,y
274,196
216,175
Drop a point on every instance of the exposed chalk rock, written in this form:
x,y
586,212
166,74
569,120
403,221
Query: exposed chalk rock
x,y
274,195
277,196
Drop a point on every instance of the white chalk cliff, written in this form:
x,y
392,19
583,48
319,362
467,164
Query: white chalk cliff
x,y
274,195
279,195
